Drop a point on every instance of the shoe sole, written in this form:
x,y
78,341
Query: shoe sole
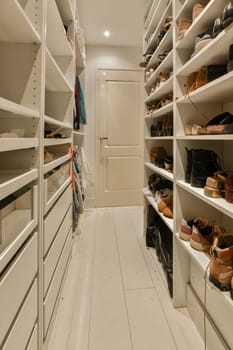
x,y
199,246
184,236
223,288
201,45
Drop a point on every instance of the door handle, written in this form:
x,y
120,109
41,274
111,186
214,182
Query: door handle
x,y
103,138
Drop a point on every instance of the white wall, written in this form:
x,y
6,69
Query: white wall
x,y
102,57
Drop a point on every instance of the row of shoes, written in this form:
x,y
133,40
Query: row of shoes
x,y
219,124
162,78
48,133
184,23
162,190
163,30
203,170
147,56
160,158
212,238
160,58
162,127
153,106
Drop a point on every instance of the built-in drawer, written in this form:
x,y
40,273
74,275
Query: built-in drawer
x,y
56,249
55,217
18,218
51,297
213,337
197,279
24,324
33,342
55,183
15,282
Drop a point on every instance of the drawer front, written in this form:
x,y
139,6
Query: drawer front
x,y
56,249
213,339
24,324
15,283
55,217
33,342
53,291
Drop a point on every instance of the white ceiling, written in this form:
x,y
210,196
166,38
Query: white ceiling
x,y
123,18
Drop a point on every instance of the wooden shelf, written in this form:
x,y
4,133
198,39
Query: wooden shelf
x,y
164,45
160,171
65,9
12,180
56,162
167,87
55,80
53,121
219,203
215,52
53,142
155,14
222,137
203,21
156,138
11,144
55,29
162,16
151,200
17,26
218,90
51,201
161,111
78,133
16,109
165,66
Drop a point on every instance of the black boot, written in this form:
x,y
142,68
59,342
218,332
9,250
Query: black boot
x,y
204,164
188,165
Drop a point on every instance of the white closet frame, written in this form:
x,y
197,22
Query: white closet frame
x,y
37,66
210,309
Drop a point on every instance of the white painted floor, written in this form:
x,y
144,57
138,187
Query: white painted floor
x,y
114,297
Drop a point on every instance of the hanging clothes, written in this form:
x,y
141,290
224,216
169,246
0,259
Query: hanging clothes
x,y
81,116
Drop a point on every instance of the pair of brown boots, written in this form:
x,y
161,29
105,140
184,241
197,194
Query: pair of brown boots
x,y
166,206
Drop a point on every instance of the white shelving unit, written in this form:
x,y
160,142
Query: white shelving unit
x,y
38,44
210,308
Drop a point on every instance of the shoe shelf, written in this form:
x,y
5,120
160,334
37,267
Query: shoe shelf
x,y
52,194
150,46
78,133
213,53
217,90
150,11
201,258
184,8
221,137
156,138
19,29
161,91
150,199
161,111
165,66
168,175
18,220
204,21
164,45
12,180
157,16
219,203
55,29
66,9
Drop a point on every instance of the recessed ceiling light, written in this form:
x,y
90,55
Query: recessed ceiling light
x,y
106,33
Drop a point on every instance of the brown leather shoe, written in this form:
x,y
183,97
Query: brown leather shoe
x,y
221,264
197,9
183,25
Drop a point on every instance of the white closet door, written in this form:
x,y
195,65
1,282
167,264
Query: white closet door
x,y
119,137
